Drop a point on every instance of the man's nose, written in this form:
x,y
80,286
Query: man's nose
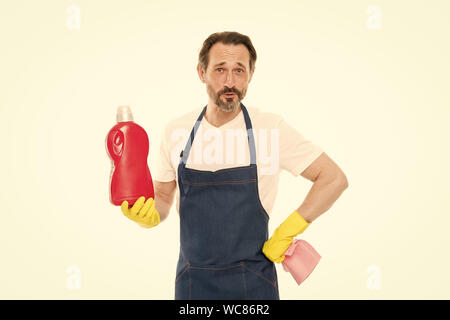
x,y
229,81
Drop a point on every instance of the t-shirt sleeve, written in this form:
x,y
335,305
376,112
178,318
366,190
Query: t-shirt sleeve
x,y
296,152
163,170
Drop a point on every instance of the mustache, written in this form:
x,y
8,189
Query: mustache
x,y
230,90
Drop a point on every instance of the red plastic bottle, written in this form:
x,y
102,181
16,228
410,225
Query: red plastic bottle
x,y
127,145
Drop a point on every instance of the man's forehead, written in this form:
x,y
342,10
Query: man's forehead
x,y
221,53
224,63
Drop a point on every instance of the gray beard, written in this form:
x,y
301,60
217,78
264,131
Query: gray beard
x,y
227,107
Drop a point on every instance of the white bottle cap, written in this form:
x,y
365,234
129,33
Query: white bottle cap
x,y
124,114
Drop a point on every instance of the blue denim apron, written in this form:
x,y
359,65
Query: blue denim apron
x,y
223,227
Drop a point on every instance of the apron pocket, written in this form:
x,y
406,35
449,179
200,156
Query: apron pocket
x,y
225,283
181,273
260,284
182,285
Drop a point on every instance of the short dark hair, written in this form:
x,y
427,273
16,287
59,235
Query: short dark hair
x,y
226,37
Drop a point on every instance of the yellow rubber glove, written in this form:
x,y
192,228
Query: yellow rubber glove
x,y
143,212
283,236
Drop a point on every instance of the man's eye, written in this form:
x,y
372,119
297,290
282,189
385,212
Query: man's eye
x,y
218,69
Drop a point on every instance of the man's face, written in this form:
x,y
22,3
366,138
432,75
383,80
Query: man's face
x,y
227,75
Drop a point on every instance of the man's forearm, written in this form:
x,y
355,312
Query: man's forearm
x,y
163,206
324,192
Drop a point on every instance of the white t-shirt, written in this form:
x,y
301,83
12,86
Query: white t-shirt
x,y
278,145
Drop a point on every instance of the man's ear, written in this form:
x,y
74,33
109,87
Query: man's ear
x,y
201,73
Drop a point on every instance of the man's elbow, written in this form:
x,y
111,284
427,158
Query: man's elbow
x,y
343,181
337,177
